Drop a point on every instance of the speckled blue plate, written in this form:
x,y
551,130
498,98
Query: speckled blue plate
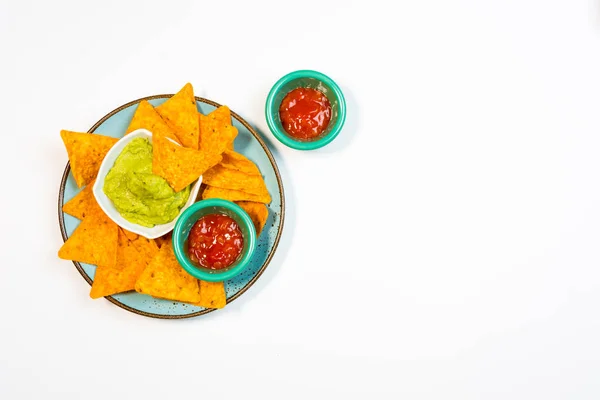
x,y
249,143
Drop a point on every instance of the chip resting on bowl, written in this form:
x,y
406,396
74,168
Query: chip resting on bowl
x,y
146,117
180,112
178,165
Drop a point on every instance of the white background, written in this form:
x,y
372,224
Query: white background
x,y
445,246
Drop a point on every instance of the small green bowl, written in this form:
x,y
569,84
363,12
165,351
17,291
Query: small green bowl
x,y
187,220
313,80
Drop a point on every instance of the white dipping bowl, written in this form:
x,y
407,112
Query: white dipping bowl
x,y
109,208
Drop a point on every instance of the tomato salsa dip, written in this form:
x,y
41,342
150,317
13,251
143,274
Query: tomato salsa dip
x,y
305,113
215,241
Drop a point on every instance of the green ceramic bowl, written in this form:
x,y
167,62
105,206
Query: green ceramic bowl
x,y
313,80
186,221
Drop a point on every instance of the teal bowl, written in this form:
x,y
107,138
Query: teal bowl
x,y
186,221
313,80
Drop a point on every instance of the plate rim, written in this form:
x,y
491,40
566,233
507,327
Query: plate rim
x,y
86,277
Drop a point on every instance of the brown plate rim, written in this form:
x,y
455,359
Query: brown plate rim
x,y
85,276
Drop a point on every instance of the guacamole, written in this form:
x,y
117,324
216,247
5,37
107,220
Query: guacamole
x,y
140,196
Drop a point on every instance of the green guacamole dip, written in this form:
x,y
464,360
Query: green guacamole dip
x,y
140,196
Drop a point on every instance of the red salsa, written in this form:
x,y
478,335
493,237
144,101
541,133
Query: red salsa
x,y
305,113
215,241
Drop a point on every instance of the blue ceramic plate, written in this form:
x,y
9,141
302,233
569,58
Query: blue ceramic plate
x,y
249,143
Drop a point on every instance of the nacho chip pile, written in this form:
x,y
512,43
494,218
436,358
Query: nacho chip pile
x,y
134,254
186,145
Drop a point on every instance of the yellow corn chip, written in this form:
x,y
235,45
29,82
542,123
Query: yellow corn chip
x,y
234,195
229,145
133,256
160,241
178,165
86,152
222,118
226,178
216,135
147,117
181,114
257,211
94,241
130,235
83,203
212,295
222,115
238,162
166,279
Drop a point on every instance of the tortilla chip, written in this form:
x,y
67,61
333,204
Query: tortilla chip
x,y
82,204
226,178
133,256
222,117
147,117
229,145
130,235
86,152
234,195
238,162
180,113
179,166
166,279
258,212
94,241
212,295
160,241
216,135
